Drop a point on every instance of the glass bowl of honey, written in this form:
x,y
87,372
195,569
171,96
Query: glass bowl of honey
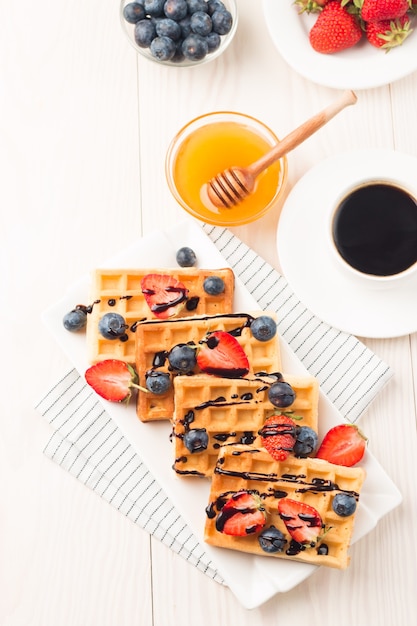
x,y
212,143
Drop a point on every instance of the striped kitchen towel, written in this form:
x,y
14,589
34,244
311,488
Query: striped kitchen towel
x,y
348,372
89,445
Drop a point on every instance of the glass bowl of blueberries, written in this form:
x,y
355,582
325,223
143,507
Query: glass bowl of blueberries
x,y
179,32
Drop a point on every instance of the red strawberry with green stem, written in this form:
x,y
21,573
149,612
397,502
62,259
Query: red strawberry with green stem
x,y
164,294
342,445
302,521
222,355
376,10
243,514
113,380
335,29
278,436
387,34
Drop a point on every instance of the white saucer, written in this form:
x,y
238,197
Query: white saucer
x,y
305,256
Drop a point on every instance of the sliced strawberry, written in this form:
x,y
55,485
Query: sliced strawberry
x,y
112,379
301,520
222,355
243,514
278,436
164,294
342,445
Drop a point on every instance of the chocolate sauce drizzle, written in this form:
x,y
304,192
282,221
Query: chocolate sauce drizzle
x,y
237,331
87,308
161,307
223,439
317,485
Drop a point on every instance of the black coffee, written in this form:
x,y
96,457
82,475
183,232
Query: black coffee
x,y
375,229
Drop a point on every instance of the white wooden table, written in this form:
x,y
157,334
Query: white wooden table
x,y
84,126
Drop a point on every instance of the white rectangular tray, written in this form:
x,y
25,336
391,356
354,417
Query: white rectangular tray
x,y
253,579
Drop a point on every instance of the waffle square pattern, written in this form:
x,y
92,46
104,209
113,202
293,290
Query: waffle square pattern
x,y
314,482
155,339
229,412
119,291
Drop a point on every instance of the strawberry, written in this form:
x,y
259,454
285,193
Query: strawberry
x,y
301,520
222,355
278,435
112,379
376,10
342,445
310,6
387,34
335,29
243,514
164,294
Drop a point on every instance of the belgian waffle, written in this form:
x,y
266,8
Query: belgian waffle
x,y
155,338
310,480
230,411
119,291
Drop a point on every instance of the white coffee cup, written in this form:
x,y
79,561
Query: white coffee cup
x,y
372,232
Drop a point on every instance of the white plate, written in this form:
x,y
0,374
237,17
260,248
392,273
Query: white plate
x,y
308,266
360,67
252,579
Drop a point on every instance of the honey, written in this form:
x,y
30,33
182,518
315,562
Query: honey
x,y
213,147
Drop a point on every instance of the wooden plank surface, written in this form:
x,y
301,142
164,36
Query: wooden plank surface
x,y
84,128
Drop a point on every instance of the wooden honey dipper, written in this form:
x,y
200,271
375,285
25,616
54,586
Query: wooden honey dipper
x,y
233,185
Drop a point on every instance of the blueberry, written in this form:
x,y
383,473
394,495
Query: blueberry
x,y
182,358
154,7
214,285
344,504
162,48
194,47
197,5
306,441
176,9
281,394
201,23
263,328
166,27
186,257
178,55
215,5
144,33
75,320
134,12
272,540
196,440
213,41
112,326
185,25
222,21
158,382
